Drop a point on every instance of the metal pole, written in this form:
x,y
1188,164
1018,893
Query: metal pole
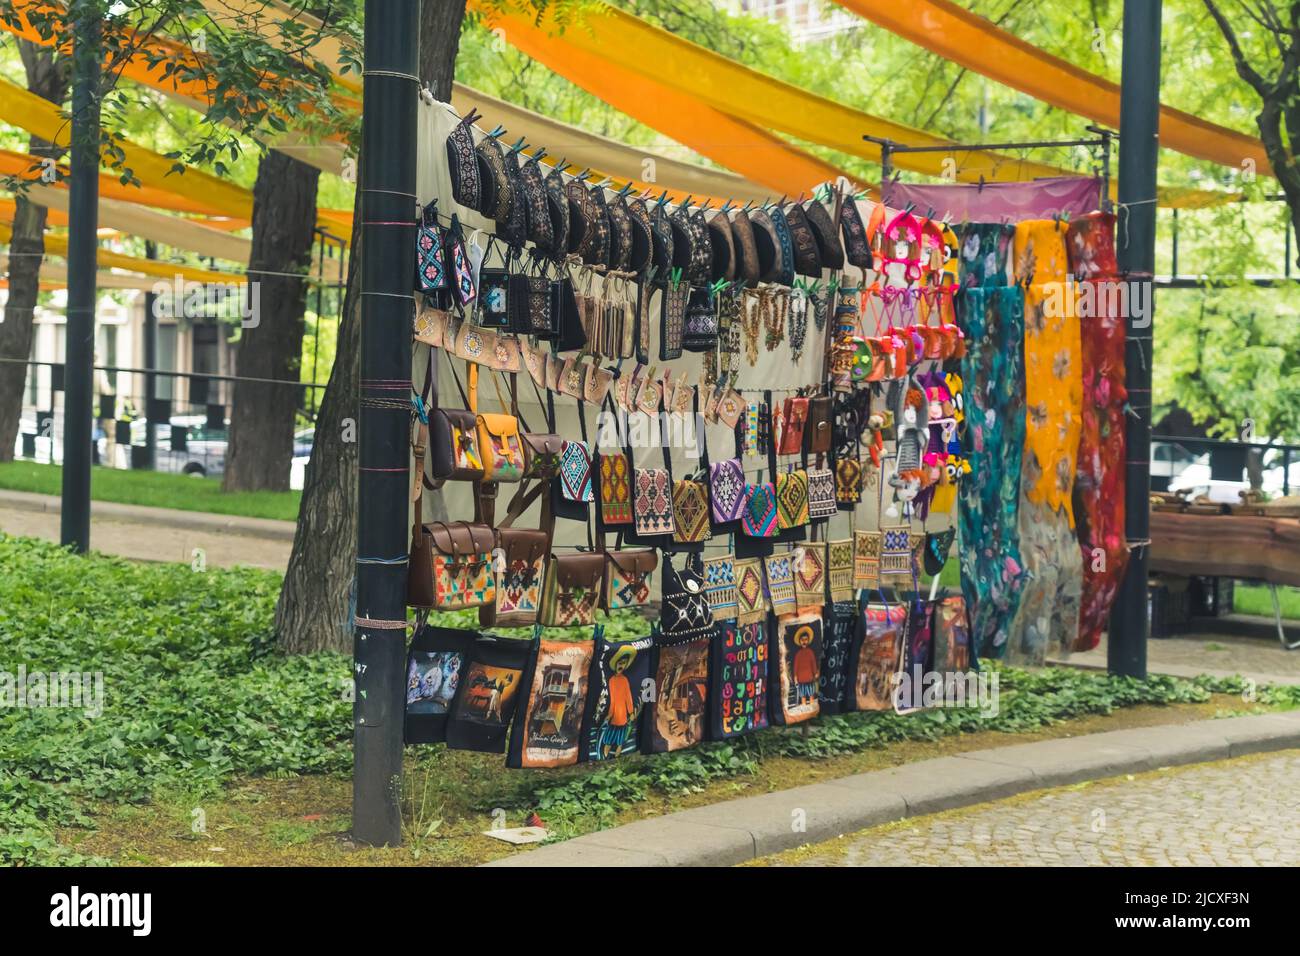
x,y
388,210
83,223
1139,138
150,363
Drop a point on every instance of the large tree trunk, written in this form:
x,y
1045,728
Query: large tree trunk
x,y
270,345
47,77
316,602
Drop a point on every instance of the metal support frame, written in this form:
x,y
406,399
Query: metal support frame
x,y
1139,126
388,212
83,243
1102,140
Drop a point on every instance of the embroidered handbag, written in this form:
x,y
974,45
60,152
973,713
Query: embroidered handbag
x,y
685,613
433,668
628,575
792,500
537,211
557,203
575,471
533,301
720,586
615,489
726,491
866,559
691,511
751,593
463,162
829,248
460,271
895,551
794,417
494,310
430,267
839,569
676,297
519,578
495,198
653,502
573,589
848,481
759,517
779,573
809,567
652,494
700,330
821,493
450,566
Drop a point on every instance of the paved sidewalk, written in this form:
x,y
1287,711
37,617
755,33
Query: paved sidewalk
x,y
1260,658
157,534
1242,812
739,830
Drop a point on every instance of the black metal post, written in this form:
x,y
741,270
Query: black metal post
x,y
1139,137
150,363
387,244
83,223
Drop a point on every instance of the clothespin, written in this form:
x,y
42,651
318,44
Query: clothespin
x,y
496,132
563,164
663,198
748,205
686,204
517,146
675,277
582,176
726,207
627,188
539,155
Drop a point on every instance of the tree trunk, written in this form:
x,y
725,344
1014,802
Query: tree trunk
x,y
270,345
315,609
47,77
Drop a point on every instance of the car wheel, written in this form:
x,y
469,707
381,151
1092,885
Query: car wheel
x,y
195,471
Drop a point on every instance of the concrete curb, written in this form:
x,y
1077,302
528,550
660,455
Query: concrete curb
x,y
267,528
737,830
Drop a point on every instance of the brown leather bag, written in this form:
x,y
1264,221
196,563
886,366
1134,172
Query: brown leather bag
x,y
520,572
450,566
817,431
573,589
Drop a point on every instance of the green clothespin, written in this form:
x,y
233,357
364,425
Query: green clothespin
x,y
675,277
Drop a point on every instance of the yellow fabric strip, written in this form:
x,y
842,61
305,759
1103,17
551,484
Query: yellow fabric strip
x,y
620,39
977,44
57,245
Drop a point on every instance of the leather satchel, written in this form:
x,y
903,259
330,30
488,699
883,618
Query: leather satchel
x,y
542,455
450,566
573,589
503,451
818,431
628,575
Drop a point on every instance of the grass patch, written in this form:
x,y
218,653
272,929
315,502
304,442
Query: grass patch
x,y
213,748
1256,599
156,489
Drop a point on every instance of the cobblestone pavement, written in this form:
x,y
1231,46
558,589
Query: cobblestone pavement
x,y
1243,812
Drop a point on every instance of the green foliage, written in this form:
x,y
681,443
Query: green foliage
x,y
193,693
155,489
